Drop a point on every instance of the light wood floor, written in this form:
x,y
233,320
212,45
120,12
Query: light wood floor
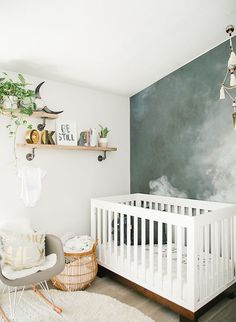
x,y
224,311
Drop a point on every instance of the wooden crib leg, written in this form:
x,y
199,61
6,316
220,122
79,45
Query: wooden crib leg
x,y
231,295
184,319
101,271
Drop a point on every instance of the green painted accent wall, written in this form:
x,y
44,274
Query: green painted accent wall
x,y
180,129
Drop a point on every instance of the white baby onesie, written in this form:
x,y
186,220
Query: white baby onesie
x,y
31,184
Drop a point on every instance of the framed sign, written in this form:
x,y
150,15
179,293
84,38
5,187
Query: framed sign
x,y
66,133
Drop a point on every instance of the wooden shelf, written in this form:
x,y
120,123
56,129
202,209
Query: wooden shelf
x,y
65,147
38,114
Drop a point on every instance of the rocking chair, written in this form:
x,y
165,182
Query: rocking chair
x,y
52,245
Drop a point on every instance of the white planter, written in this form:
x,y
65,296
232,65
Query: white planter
x,y
103,142
10,102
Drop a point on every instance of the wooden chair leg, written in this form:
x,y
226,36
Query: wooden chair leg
x,y
3,315
39,293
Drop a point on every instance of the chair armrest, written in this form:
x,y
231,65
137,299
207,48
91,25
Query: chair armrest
x,y
54,245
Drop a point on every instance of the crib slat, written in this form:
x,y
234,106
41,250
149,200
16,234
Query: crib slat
x,y
227,236
169,257
104,233
201,284
174,228
151,251
207,275
179,260
136,246
192,243
213,256
181,210
109,234
93,222
217,253
222,251
115,236
128,242
160,246
143,257
122,239
99,214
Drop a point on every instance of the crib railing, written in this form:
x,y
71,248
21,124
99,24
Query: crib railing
x,y
216,252
165,245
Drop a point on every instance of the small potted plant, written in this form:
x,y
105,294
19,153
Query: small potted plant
x,y
103,139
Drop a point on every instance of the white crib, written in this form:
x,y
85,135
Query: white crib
x,y
181,249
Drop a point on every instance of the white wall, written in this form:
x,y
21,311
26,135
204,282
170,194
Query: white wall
x,y
73,177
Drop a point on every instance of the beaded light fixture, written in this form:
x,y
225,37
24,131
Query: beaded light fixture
x,y
227,88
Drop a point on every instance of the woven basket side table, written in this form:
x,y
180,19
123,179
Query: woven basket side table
x,y
79,272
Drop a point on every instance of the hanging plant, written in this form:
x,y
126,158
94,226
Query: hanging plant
x,y
17,99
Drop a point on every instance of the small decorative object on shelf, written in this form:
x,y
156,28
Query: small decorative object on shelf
x,y
93,137
45,108
88,138
84,138
47,137
103,139
49,111
33,137
66,133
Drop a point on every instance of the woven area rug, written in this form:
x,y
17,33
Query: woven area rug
x,y
77,307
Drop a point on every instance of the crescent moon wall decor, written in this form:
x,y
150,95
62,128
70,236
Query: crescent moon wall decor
x,y
37,90
48,110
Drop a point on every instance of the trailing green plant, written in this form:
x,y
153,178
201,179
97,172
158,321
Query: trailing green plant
x,y
16,93
103,133
25,98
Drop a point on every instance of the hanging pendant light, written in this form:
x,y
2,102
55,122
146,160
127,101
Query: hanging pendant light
x,y
229,83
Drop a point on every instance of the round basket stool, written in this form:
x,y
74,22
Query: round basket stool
x,y
79,272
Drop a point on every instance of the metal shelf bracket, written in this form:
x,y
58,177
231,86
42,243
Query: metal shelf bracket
x,y
30,156
41,126
102,158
